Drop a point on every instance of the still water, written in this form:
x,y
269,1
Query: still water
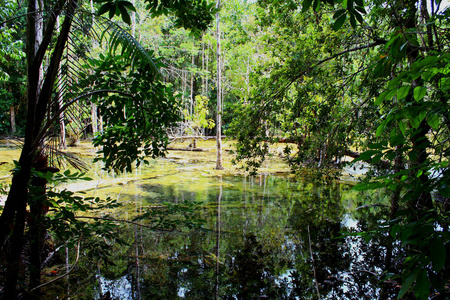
x,y
241,237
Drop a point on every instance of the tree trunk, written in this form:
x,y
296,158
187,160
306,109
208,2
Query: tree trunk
x,y
203,68
419,139
13,216
207,70
12,113
219,96
38,97
94,119
133,21
192,94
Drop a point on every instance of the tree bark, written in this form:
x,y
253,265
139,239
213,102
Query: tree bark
x,y
12,113
219,165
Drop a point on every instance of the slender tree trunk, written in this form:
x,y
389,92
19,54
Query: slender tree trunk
x,y
137,294
207,69
192,81
219,165
94,118
14,215
203,67
12,113
133,21
247,80
38,209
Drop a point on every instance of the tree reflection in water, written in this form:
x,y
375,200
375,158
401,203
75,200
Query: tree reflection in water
x,y
267,237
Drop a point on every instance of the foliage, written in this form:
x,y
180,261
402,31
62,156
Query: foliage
x,y
198,118
137,115
12,57
193,15
66,223
378,86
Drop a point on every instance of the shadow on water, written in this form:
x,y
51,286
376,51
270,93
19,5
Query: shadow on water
x,y
264,237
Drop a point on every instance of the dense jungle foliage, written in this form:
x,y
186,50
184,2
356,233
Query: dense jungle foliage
x,y
329,79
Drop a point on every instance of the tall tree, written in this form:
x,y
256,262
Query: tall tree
x,y
219,94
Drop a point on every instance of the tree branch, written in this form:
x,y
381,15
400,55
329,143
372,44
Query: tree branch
x,y
64,275
376,43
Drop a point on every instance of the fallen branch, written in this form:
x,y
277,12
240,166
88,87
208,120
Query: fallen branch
x,y
185,149
382,163
174,138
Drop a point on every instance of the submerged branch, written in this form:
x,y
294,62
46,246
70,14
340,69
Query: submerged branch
x,y
65,274
123,221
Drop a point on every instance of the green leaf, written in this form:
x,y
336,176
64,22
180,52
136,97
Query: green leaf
x,y
361,9
366,155
422,290
391,94
306,5
434,121
379,146
380,130
352,20
104,8
402,127
349,5
364,186
316,5
358,17
419,92
339,22
402,92
380,99
125,16
406,284
339,13
438,254
112,11
128,5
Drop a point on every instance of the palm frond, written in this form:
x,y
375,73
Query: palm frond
x,y
131,48
70,107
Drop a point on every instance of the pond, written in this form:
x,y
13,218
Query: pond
x,y
252,237
223,235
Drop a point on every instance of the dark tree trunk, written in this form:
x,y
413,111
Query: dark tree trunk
x,y
12,220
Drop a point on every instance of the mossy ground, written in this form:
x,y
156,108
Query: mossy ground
x,y
186,168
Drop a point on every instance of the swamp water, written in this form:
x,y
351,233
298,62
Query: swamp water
x,y
270,236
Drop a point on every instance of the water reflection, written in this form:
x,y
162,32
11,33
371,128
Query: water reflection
x,y
265,237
